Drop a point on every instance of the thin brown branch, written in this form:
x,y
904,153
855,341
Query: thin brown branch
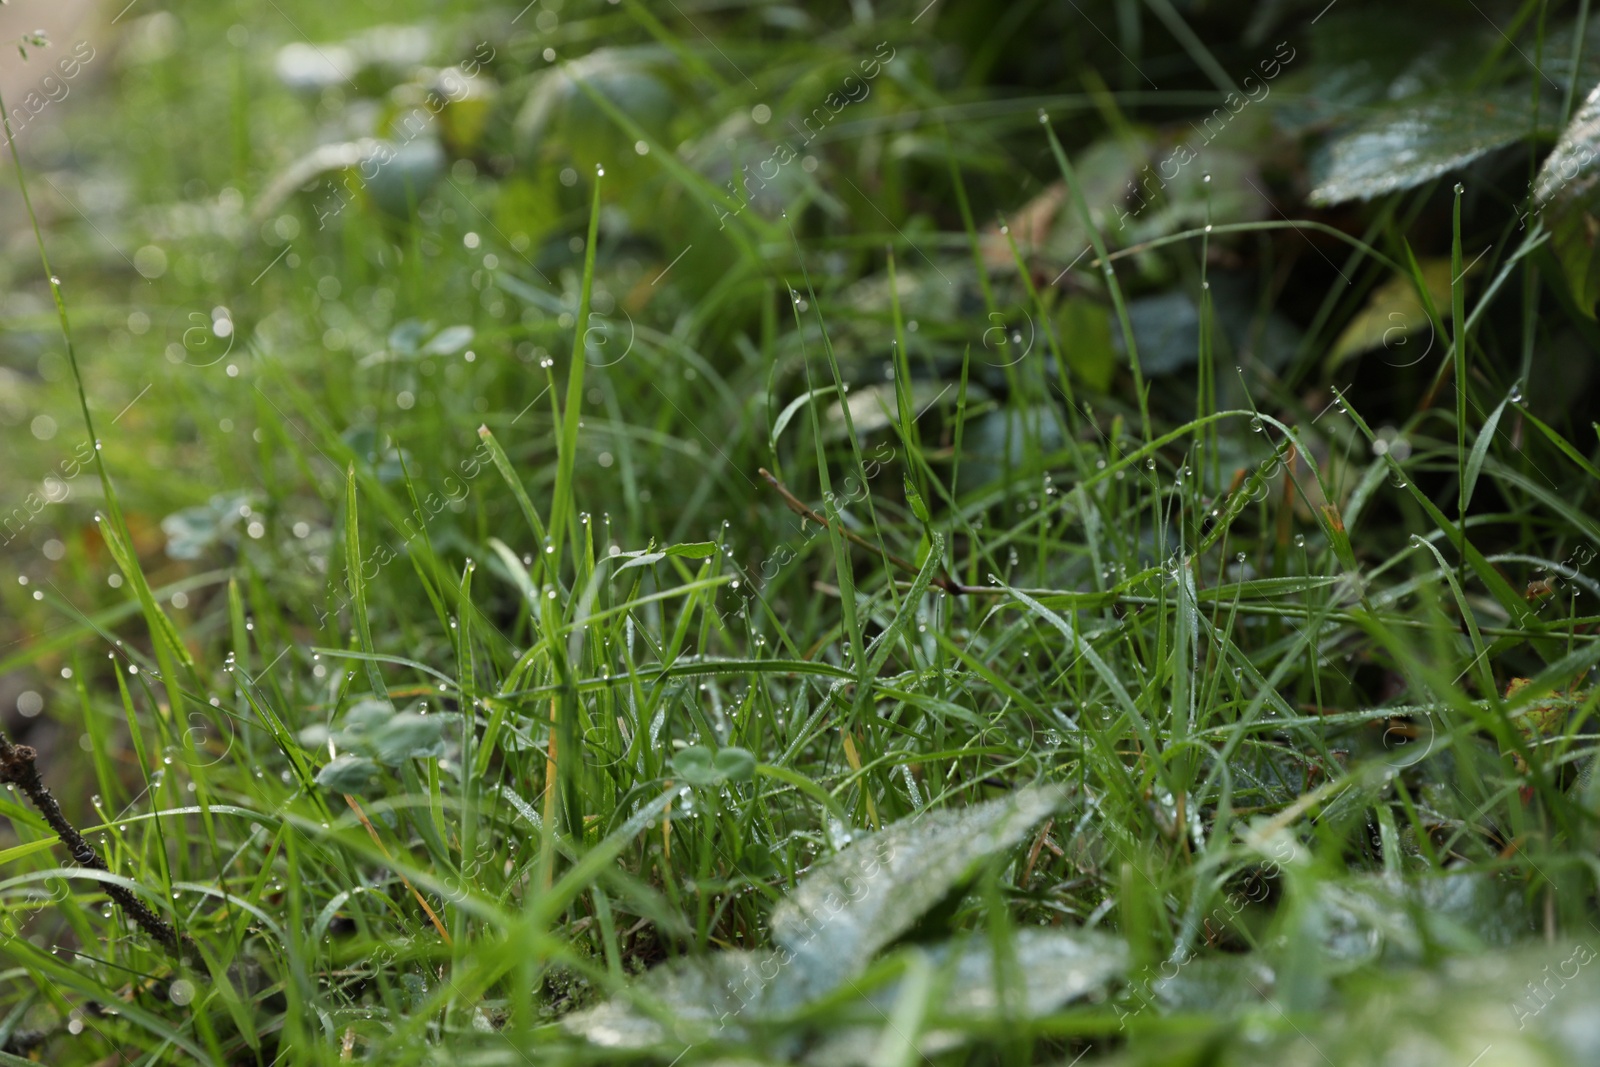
x,y
799,507
17,767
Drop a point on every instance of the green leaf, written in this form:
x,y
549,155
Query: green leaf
x,y
366,715
559,116
791,409
1480,451
734,764
690,550
1056,967
1404,145
448,341
502,463
563,506
1395,312
193,530
1059,966
353,566
699,766
348,774
1566,188
689,1001
694,765
407,736
839,917
1085,329
693,549
1568,173
857,901
919,507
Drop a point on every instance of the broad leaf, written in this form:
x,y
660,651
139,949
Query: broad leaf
x,y
1058,966
1401,147
734,764
861,899
1052,969
1532,1007
193,530
689,1002
1566,190
373,729
694,766
849,907
407,736
699,766
348,774
448,341
1394,315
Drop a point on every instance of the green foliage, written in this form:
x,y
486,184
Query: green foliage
x,y
817,534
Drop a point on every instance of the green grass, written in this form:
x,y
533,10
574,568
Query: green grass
x,y
481,666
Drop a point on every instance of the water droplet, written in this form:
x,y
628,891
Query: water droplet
x,y
1206,178
1240,558
1515,395
1460,188
181,992
1257,425
1299,540
1150,464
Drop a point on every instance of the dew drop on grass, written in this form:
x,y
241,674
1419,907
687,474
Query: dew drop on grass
x,y
1299,540
1257,425
1240,558
1150,464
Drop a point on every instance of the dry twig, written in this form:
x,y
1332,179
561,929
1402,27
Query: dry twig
x,y
17,767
